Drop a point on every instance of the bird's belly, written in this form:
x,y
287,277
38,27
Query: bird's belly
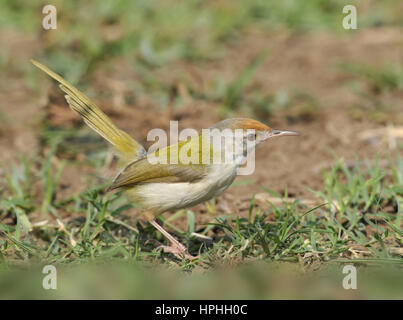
x,y
161,197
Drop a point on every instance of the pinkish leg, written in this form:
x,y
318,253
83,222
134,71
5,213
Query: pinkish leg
x,y
176,248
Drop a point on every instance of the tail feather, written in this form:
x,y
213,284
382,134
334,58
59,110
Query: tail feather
x,y
97,120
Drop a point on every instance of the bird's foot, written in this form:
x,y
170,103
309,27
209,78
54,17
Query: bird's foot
x,y
178,250
175,247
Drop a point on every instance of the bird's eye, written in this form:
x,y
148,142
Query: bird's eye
x,y
252,137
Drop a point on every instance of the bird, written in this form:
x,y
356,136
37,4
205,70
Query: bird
x,y
161,186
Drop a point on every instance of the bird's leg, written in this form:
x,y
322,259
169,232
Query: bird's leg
x,y
176,248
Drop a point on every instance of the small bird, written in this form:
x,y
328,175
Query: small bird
x,y
164,186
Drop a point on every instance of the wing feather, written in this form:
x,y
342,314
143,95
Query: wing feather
x,y
143,171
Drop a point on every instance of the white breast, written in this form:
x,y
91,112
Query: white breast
x,y
161,197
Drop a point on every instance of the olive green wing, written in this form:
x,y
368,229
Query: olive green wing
x,y
147,171
142,171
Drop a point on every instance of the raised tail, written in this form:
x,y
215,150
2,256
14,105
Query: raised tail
x,y
129,148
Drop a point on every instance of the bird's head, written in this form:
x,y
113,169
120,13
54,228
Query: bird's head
x,y
253,130
244,135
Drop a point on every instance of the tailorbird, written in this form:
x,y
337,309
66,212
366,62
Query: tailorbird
x,y
194,177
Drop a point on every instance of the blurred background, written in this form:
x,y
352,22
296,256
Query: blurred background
x,y
289,64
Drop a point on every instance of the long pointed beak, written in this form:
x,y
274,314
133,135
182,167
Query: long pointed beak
x,y
279,133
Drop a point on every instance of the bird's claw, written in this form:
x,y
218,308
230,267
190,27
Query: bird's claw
x,y
178,251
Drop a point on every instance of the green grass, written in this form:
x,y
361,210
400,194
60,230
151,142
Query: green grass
x,y
359,206
155,33
357,219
